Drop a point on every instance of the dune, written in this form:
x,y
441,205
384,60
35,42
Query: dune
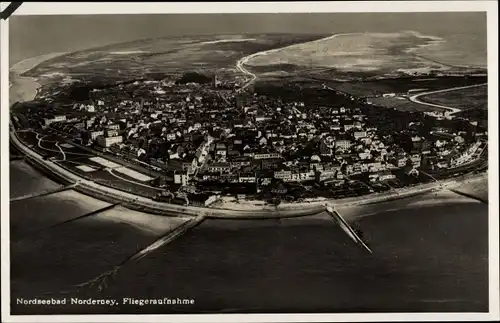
x,y
30,63
354,52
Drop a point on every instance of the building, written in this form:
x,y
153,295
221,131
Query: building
x,y
348,125
181,179
59,118
343,144
48,121
111,133
267,156
95,134
246,178
325,175
221,150
108,141
219,167
359,134
307,176
113,127
283,175
381,176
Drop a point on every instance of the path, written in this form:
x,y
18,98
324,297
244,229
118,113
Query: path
x,y
109,170
240,64
414,98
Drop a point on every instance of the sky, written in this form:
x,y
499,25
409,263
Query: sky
x,y
37,35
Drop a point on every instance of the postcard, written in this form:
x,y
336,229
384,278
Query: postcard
x,y
258,162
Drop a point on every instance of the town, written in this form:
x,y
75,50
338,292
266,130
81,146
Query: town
x,y
196,137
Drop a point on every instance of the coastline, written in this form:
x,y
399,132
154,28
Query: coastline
x,y
25,88
244,60
143,204
284,210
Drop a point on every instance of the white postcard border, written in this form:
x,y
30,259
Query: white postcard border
x,y
52,8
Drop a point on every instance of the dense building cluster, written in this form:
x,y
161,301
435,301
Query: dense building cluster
x,y
205,135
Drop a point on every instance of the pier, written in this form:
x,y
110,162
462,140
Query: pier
x,y
168,238
101,281
339,220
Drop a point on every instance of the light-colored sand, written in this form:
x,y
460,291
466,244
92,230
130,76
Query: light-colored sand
x,y
30,63
414,203
84,201
147,223
231,40
128,52
353,52
25,88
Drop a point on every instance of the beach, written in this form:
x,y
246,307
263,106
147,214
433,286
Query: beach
x,y
25,88
430,254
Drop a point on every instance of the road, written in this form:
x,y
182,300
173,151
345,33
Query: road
x,y
415,98
240,64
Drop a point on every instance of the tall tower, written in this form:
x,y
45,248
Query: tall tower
x,y
215,81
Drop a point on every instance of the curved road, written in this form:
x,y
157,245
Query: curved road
x,y
414,98
253,77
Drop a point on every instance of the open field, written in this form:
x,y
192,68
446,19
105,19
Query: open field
x,y
401,104
206,53
381,53
465,99
377,87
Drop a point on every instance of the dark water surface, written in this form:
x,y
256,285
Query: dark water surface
x,y
427,257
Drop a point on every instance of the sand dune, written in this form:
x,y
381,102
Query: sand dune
x,y
357,52
29,63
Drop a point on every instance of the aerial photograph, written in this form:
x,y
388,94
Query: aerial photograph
x,y
248,163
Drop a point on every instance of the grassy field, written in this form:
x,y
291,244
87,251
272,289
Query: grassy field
x,y
365,53
401,104
471,98
206,53
404,84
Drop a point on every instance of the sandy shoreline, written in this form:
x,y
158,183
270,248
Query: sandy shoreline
x,y
25,88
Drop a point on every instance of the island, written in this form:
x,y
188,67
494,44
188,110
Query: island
x,y
251,126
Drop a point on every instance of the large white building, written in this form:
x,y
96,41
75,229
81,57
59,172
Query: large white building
x,y
108,141
343,144
95,134
60,118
